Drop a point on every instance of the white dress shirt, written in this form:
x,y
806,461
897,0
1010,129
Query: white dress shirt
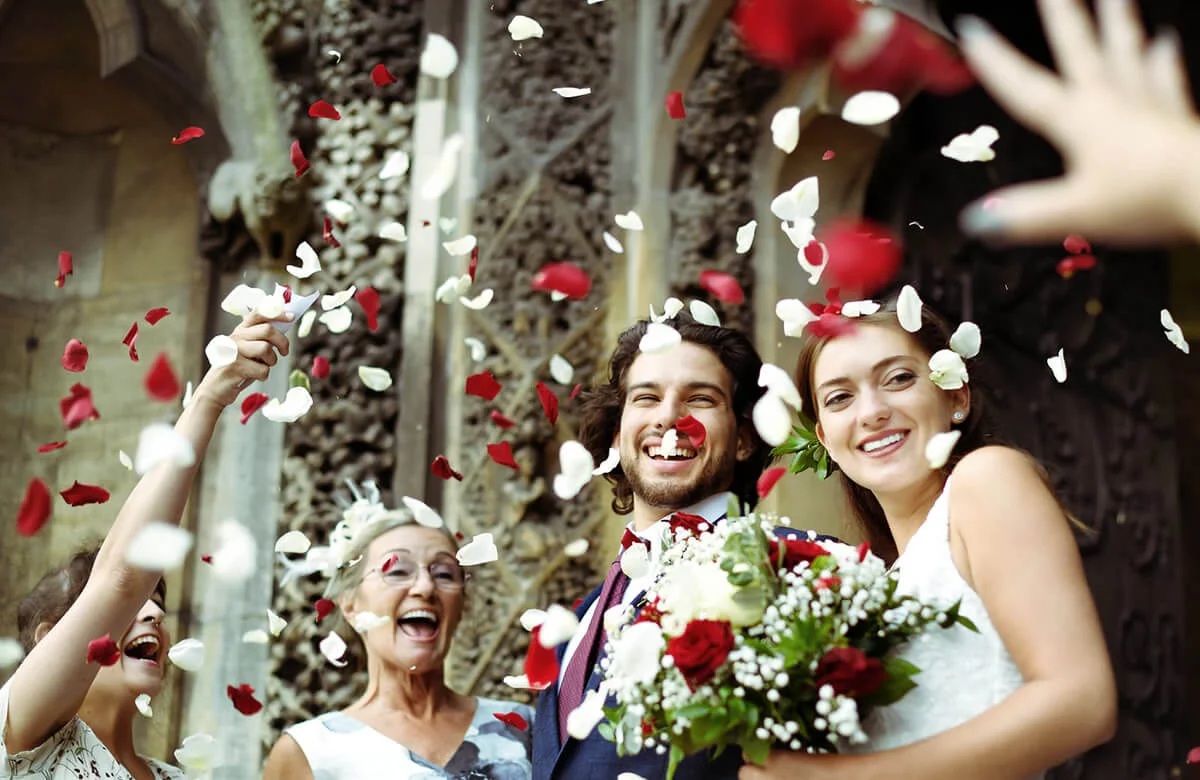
x,y
711,509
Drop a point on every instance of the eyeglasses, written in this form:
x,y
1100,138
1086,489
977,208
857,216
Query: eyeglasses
x,y
401,572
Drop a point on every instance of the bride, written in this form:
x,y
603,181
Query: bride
x,y
1035,686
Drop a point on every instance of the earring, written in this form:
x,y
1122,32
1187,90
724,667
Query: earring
x,y
960,416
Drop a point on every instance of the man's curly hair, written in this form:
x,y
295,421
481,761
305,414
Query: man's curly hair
x,y
601,406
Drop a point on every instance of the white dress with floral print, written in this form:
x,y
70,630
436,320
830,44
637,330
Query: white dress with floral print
x,y
71,753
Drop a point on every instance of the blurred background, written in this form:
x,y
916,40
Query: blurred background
x,y
92,93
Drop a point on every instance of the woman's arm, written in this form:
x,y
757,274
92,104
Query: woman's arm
x,y
1119,112
287,762
1025,565
50,685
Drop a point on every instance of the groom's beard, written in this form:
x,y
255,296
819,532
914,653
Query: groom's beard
x,y
674,493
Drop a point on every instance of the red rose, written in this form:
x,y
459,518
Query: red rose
x,y
790,34
701,649
850,672
796,551
693,524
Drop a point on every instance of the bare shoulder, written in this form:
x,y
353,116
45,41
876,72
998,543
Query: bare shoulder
x,y
287,761
1001,483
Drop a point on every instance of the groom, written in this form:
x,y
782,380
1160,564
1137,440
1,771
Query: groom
x,y
711,376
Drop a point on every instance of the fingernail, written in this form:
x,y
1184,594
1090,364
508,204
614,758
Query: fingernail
x,y
976,220
972,28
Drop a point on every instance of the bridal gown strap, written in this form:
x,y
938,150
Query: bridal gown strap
x,y
962,673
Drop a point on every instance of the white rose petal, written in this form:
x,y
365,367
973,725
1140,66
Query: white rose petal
x,y
306,324
480,550
659,338
609,463
630,220
558,627
366,621
477,348
187,654
295,405
623,775
522,28
938,449
814,271
772,419
333,647
330,302
126,461
973,147
159,547
798,203
242,300
309,262
572,92
423,513
800,233
275,624
376,379
197,753
255,636
518,681
745,236
560,370
453,288
785,129
1174,333
339,210
11,652
966,340
612,243
635,561
160,443
795,316
447,168
1058,367
637,653
142,702
908,309
338,320
704,314
293,543
221,351
396,165
947,370
234,557
479,302
393,231
584,718
576,548
859,308
460,246
532,618
576,466
187,399
439,58
779,383
271,307
447,225
870,108
672,307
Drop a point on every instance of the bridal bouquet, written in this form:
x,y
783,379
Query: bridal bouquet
x,y
753,640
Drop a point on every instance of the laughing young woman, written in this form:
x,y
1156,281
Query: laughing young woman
x,y
1035,686
60,716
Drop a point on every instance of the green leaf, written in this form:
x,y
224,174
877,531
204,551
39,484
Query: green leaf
x,y
298,379
756,751
900,673
677,755
607,731
732,509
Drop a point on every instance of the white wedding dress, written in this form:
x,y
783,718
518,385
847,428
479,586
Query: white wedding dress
x,y
962,673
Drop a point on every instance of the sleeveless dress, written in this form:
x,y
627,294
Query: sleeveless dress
x,y
72,752
962,673
339,747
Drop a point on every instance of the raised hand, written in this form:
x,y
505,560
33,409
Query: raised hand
x,y
1119,112
260,345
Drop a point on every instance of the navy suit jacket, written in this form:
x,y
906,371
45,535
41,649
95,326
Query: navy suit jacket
x,y
595,758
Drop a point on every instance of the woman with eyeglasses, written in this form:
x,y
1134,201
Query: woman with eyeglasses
x,y
399,584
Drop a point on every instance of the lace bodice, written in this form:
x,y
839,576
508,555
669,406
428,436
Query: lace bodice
x,y
962,673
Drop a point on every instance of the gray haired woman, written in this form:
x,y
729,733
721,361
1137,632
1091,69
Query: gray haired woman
x,y
400,585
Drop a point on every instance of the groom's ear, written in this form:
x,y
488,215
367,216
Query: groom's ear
x,y
745,442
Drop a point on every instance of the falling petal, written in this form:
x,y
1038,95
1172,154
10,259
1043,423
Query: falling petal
x,y
947,370
859,308
1058,366
35,508
309,262
745,236
478,551
275,624
440,468
240,301
338,320
295,405
65,268
675,108
483,385
798,203
772,419
460,246
575,466
77,408
1173,332
549,403
234,552
55,445
439,58
785,129
423,513
125,460
766,482
103,651
221,351
447,169
197,753
75,356
478,349
376,379
368,621
532,618
560,370
575,548
658,338
572,92
306,324
779,383
967,340
502,455
500,420
693,429
722,286
188,134
870,108
155,315
255,636
635,561
566,278
522,28
293,543
908,309
395,166
513,719
299,161
630,220
453,288
973,147
187,654
159,547
863,256
323,110
142,703
340,210
333,647
80,494
1076,244
938,449
613,244
541,664
161,383
609,463
558,627
704,314
479,302
381,77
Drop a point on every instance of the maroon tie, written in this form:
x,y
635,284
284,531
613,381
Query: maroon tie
x,y
574,680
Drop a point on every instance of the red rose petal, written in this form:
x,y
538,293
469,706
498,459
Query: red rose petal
x,y
512,719
154,315
541,663
299,161
483,385
206,559
287,293
1066,267
82,495
54,445
368,299
381,77
77,408
500,420
161,382
675,108
327,234
243,699
66,267
324,608
577,602
889,51
474,264
1076,244
35,508
188,134
768,479
830,325
130,341
1193,756
575,391
252,403
814,253
783,35
320,369
566,278
1085,262
828,155
441,469
103,651
549,402
722,286
75,356
863,255
501,453
693,429
323,110
862,550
